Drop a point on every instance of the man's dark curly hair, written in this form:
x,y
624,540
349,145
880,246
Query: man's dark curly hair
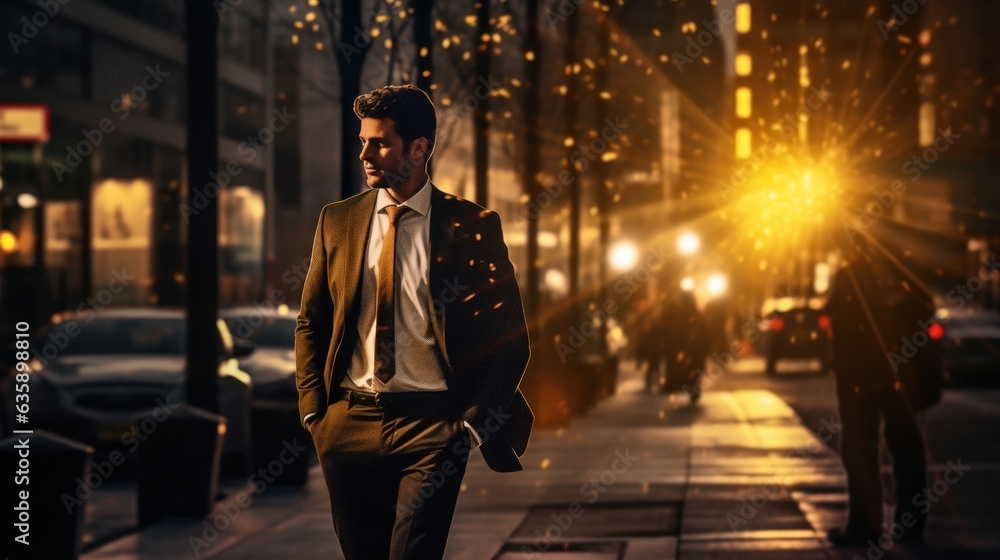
x,y
408,106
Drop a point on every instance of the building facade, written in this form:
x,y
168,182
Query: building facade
x,y
100,208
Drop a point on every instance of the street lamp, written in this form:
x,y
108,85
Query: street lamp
x,y
27,201
687,284
688,243
624,255
716,284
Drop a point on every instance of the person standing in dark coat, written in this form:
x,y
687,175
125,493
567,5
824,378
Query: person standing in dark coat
x,y
686,343
873,308
651,340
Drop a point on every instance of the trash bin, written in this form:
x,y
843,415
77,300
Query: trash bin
x,y
235,397
55,473
178,473
281,446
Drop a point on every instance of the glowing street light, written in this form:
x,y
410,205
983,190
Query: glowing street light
x,y
27,201
687,284
624,255
688,243
717,284
8,241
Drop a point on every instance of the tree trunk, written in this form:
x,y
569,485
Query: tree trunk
x,y
480,122
424,42
533,61
572,111
601,175
350,61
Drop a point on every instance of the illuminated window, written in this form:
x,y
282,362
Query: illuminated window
x,y
744,64
743,102
743,17
743,143
927,122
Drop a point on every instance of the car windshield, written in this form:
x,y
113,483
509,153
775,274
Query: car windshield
x,y
117,336
273,331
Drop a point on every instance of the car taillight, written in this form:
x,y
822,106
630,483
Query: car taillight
x,y
936,331
824,322
777,324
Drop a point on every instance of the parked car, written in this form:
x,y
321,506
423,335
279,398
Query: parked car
x,y
99,378
796,328
272,363
970,346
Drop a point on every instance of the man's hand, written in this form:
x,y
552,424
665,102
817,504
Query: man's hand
x,y
309,420
473,436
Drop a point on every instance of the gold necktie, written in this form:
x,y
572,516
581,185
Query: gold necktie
x,y
385,322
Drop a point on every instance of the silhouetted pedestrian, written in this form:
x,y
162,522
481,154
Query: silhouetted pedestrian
x,y
873,309
650,342
686,343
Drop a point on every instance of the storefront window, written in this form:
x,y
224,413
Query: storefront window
x,y
121,214
19,205
241,244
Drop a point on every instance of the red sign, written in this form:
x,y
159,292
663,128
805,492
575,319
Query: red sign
x,y
24,123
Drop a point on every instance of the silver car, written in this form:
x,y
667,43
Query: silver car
x,y
271,365
107,378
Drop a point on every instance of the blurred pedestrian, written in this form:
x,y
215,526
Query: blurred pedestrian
x,y
650,342
717,321
686,345
873,308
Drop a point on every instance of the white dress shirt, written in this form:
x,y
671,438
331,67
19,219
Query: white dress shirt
x,y
418,365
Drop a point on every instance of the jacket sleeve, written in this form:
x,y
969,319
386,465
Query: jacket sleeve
x,y
502,355
314,329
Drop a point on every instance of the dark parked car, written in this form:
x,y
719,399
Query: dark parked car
x,y
796,328
108,377
970,346
272,363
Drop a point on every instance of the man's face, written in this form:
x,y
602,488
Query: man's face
x,y
383,155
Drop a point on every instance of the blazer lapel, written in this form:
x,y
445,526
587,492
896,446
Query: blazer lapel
x,y
359,227
442,234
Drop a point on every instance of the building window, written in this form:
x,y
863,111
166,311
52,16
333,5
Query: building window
x,y
743,143
241,39
50,60
241,112
744,64
743,104
927,123
121,222
129,81
743,17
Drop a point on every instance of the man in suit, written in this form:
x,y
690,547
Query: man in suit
x,y
410,342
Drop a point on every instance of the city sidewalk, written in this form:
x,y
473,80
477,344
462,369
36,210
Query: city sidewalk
x,y
639,477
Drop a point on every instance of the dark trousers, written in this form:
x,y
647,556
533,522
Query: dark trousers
x,y
860,414
394,471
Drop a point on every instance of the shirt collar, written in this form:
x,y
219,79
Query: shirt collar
x,y
420,202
